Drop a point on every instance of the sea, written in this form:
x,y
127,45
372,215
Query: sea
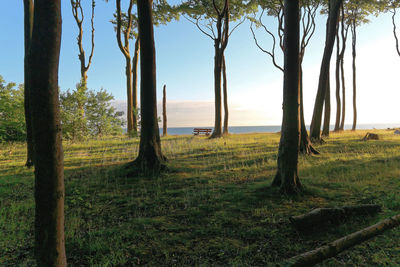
x,y
272,128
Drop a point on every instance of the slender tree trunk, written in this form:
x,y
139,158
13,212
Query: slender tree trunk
x,y
354,39
134,84
327,109
28,24
306,147
337,79
217,91
129,92
315,129
49,174
150,159
164,111
344,39
287,174
225,85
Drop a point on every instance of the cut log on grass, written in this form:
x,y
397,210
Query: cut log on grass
x,y
322,216
332,249
370,136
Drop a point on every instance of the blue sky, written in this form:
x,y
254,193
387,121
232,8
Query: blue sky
x,y
185,65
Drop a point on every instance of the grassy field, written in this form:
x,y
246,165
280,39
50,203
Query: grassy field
x,y
215,205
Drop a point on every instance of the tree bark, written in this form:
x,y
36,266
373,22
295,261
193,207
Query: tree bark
x,y
225,89
332,249
337,80
287,173
315,129
354,39
49,174
134,85
28,24
164,111
220,43
327,109
150,159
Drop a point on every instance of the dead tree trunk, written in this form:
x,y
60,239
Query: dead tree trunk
x,y
287,174
164,111
28,24
49,170
332,249
150,159
225,89
315,129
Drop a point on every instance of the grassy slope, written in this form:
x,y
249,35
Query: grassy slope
x,y
215,205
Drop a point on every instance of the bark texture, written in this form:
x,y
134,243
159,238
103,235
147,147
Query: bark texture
x,y
220,43
49,175
225,89
150,159
332,249
315,129
287,174
28,24
164,110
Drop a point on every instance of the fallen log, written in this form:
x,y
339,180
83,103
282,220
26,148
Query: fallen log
x,y
322,216
332,249
370,136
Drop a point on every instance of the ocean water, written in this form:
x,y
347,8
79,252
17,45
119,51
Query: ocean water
x,y
271,128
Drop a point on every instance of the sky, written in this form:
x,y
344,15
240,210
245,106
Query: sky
x,y
185,64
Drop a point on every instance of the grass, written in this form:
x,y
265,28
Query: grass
x,y
215,206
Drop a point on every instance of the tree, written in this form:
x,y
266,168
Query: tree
x,y
150,159
212,18
315,128
327,109
287,175
164,110
344,32
77,12
307,18
12,117
392,5
28,24
44,55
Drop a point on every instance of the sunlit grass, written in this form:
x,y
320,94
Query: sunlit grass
x,y
213,206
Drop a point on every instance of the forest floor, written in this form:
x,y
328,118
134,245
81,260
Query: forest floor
x,y
214,206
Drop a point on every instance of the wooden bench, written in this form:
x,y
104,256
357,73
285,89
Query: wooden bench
x,y
199,131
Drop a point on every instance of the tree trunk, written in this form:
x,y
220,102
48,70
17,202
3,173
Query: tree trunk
x,y
287,173
164,111
129,92
344,39
134,84
226,111
306,147
354,39
337,79
332,249
217,91
49,174
315,129
150,159
327,109
28,24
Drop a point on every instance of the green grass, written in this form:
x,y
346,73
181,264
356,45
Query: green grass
x,y
215,206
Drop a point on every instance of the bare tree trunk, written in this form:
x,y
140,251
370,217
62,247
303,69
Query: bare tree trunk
x,y
28,24
354,39
337,79
327,109
49,170
150,159
226,111
344,32
134,84
129,94
164,111
315,129
395,31
287,174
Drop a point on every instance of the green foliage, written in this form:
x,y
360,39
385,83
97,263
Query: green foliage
x,y
87,113
12,116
